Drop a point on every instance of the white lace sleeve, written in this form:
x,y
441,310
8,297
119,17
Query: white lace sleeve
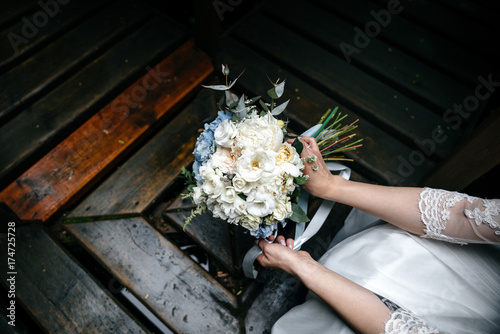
x,y
459,218
404,322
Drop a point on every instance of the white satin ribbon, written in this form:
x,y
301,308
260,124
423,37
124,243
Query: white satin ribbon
x,y
302,233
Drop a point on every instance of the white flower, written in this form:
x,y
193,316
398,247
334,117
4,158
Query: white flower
x,y
259,132
286,153
198,196
228,195
260,203
283,209
290,169
250,222
289,185
225,133
254,165
223,159
242,186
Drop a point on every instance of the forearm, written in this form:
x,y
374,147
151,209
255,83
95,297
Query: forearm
x,y
358,306
396,205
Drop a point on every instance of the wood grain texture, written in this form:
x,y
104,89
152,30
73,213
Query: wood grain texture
x,y
373,99
154,168
44,68
65,173
65,108
380,153
179,292
58,293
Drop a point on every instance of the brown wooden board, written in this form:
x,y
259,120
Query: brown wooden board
x,y
148,173
419,81
371,98
169,283
14,10
39,73
57,292
79,161
475,11
65,108
381,154
415,40
33,30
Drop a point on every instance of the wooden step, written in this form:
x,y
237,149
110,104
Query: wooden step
x,y
474,10
78,162
57,292
150,172
38,27
42,71
168,282
308,104
63,110
371,98
14,11
415,40
421,82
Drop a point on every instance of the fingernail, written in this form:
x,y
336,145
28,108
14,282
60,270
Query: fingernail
x,y
283,242
290,246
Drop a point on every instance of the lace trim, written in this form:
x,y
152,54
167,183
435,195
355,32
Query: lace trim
x,y
434,206
404,322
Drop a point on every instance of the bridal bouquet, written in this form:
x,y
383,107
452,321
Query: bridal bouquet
x,y
244,171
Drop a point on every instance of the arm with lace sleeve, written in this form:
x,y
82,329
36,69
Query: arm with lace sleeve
x,y
459,218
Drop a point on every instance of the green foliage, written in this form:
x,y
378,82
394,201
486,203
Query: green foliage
x,y
298,215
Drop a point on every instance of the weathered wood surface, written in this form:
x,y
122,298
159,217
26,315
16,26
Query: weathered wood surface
x,y
155,167
64,109
474,10
379,156
419,81
41,72
57,292
179,292
382,104
414,40
14,11
81,159
37,28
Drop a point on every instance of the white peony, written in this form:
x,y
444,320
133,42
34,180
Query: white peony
x,y
225,133
260,203
259,132
254,165
223,159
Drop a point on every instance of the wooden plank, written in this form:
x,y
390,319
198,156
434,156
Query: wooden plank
x,y
371,98
61,111
308,104
474,10
475,156
178,292
40,72
419,81
67,171
34,30
454,26
57,292
416,40
14,10
155,167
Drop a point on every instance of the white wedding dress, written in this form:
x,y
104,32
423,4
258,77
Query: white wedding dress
x,y
444,287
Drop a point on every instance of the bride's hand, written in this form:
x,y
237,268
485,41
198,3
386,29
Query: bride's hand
x,y
280,255
320,180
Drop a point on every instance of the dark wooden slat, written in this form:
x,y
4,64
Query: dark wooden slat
x,y
470,34
308,104
67,106
66,172
375,100
181,294
57,292
415,40
421,82
14,10
474,10
47,26
143,178
40,71
475,156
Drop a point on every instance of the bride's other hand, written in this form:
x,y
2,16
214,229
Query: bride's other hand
x,y
280,255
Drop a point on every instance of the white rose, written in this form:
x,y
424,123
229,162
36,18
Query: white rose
x,y
242,186
254,165
225,133
283,209
228,195
213,187
286,153
250,222
260,203
198,197
289,186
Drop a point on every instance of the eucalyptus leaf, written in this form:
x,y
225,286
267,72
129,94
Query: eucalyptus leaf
x,y
300,180
298,215
231,98
276,91
252,100
298,146
225,69
279,109
263,105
